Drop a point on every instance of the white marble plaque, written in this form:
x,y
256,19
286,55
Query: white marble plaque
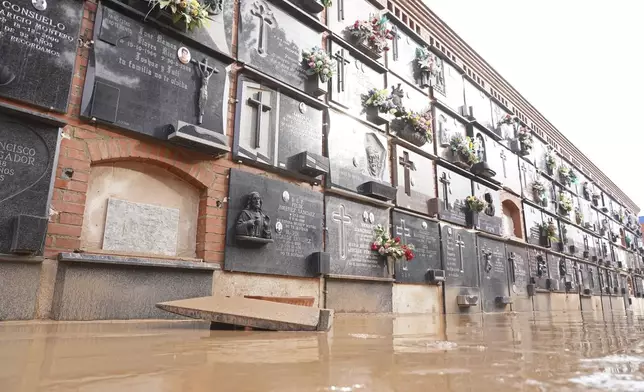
x,y
140,228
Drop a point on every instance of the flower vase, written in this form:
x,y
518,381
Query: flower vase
x,y
391,263
550,170
545,241
316,86
362,43
375,116
524,150
425,78
458,160
408,133
472,218
311,6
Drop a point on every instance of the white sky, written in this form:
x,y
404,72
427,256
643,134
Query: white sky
x,y
578,62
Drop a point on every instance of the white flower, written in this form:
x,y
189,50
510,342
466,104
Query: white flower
x,y
318,63
381,251
325,71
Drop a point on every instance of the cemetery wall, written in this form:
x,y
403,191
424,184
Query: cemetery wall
x,y
149,162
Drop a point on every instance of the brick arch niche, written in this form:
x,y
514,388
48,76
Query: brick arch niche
x,y
512,225
151,210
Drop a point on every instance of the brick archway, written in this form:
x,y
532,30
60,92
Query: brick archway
x,y
514,212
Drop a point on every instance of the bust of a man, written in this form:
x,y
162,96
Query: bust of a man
x,y
252,221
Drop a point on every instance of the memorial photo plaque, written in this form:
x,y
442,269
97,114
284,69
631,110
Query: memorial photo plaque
x,y
494,275
277,130
425,237
458,251
350,233
453,189
38,48
136,81
414,180
359,155
272,41
28,151
272,227
491,218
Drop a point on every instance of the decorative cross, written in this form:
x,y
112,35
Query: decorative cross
x,y
591,279
460,243
409,166
586,246
340,10
524,169
394,46
446,189
504,158
512,265
403,231
541,266
261,108
266,18
205,72
342,61
487,255
342,219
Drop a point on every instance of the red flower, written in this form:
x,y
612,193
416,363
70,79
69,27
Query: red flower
x,y
397,239
374,247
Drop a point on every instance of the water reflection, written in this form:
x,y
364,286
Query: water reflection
x,y
509,352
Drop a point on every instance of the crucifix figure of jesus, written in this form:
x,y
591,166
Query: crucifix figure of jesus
x,y
205,72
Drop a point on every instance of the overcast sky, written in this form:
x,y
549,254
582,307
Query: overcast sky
x,y
578,62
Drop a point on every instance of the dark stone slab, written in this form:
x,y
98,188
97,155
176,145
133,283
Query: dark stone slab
x,y
588,278
295,223
519,269
445,127
28,152
560,268
272,41
351,296
490,219
136,81
453,189
488,152
538,264
276,132
18,289
359,153
350,233
459,255
425,237
493,270
533,219
451,91
415,188
478,105
528,175
38,51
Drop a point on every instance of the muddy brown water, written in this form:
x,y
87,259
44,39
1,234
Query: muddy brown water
x,y
520,352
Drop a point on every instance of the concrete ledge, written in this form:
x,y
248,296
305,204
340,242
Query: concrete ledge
x,y
354,296
19,282
5,258
408,299
101,287
362,278
135,261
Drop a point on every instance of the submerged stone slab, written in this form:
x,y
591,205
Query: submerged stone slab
x,y
251,313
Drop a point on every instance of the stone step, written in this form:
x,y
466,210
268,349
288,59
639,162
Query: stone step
x,y
252,313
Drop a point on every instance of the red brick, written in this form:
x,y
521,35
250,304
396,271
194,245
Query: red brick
x,y
67,243
70,219
73,163
77,186
81,176
68,230
94,151
73,208
52,253
74,143
74,197
84,134
75,154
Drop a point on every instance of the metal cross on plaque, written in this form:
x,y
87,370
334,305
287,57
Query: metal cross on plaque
x,y
404,232
266,19
394,47
512,266
409,166
447,190
504,158
342,219
460,244
340,10
205,72
342,62
261,107
487,255
591,278
524,169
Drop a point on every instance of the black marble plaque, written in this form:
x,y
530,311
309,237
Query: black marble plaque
x,y
591,279
453,189
445,127
478,105
27,158
493,269
135,81
533,220
425,237
272,41
451,92
359,154
413,179
518,269
38,43
528,175
295,222
353,78
350,233
273,128
491,218
458,252
561,271
538,264
551,218
605,281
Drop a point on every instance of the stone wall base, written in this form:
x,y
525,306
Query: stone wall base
x,y
591,304
410,298
451,300
563,302
521,304
618,306
18,289
355,296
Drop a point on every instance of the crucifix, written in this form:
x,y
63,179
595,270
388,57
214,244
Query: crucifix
x,y
487,255
266,18
541,266
205,72
524,169
342,62
340,10
446,189
591,279
504,158
512,265
261,108
460,243
404,232
394,46
342,219
409,166
586,246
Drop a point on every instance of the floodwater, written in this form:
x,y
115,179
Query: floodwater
x,y
513,352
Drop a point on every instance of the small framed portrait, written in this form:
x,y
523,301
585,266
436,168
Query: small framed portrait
x,y
183,54
40,5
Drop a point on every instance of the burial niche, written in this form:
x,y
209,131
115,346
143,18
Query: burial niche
x,y
511,219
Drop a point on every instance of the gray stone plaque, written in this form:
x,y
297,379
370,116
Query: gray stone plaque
x,y
491,218
518,269
140,228
425,237
493,269
414,180
458,251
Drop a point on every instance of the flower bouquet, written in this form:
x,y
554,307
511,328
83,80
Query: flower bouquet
x,y
525,141
426,66
320,67
190,12
551,163
539,192
473,206
548,234
565,204
372,35
391,248
564,175
378,105
416,128
464,151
